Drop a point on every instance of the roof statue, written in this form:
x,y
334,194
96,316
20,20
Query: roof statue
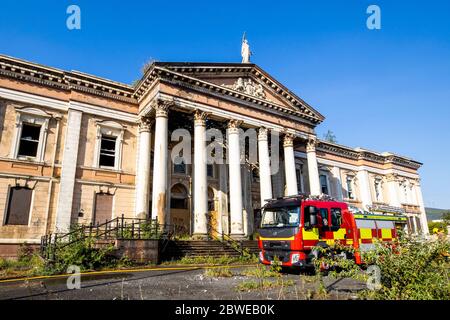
x,y
245,50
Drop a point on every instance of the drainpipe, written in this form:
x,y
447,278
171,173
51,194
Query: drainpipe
x,y
52,171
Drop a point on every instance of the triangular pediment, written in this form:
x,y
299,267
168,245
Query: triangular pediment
x,y
247,79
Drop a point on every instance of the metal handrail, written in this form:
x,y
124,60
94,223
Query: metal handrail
x,y
118,229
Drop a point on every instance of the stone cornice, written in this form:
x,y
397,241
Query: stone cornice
x,y
64,80
73,80
236,69
226,93
359,154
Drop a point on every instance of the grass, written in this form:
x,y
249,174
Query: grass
x,y
31,266
261,271
263,284
219,273
209,260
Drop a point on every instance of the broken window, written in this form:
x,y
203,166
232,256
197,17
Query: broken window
x,y
18,211
29,140
107,151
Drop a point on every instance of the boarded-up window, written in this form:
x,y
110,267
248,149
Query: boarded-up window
x,y
103,207
18,212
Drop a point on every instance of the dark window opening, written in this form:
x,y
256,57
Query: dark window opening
x,y
350,194
29,140
210,170
324,184
179,168
178,203
107,151
336,217
179,197
19,204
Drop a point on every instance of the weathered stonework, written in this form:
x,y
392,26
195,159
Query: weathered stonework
x,y
75,106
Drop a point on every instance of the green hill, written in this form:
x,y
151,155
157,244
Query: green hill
x,y
435,214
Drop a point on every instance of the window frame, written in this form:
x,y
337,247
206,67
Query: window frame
x,y
109,129
327,185
349,182
35,117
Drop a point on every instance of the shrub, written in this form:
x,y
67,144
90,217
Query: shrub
x,y
439,226
410,269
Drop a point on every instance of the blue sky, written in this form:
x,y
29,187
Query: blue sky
x,y
384,90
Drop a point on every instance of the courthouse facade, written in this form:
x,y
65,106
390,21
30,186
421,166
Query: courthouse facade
x,y
76,148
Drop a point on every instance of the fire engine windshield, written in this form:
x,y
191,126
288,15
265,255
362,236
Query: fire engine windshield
x,y
280,217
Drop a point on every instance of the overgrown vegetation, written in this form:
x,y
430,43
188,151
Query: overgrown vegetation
x,y
28,263
407,269
265,277
221,272
437,227
210,260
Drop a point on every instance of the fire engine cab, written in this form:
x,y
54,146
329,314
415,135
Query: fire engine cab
x,y
291,227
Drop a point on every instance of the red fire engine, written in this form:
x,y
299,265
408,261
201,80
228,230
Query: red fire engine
x,y
291,227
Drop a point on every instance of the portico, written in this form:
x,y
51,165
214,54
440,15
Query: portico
x,y
234,218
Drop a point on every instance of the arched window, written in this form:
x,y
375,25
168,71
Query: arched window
x,y
178,197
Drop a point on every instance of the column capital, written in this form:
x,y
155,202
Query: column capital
x,y
288,140
200,117
145,124
162,108
263,133
311,145
233,125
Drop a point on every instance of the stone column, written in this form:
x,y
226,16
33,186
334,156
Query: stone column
x,y
200,176
265,179
69,168
234,163
160,168
338,183
392,187
420,203
143,171
313,170
223,198
289,165
364,188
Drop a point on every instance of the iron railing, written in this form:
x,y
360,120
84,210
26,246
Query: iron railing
x,y
119,228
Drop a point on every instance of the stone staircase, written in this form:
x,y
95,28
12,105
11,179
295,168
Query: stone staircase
x,y
196,248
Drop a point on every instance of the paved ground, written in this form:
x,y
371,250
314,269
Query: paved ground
x,y
171,284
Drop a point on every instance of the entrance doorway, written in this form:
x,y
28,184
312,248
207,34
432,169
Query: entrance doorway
x,y
179,209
